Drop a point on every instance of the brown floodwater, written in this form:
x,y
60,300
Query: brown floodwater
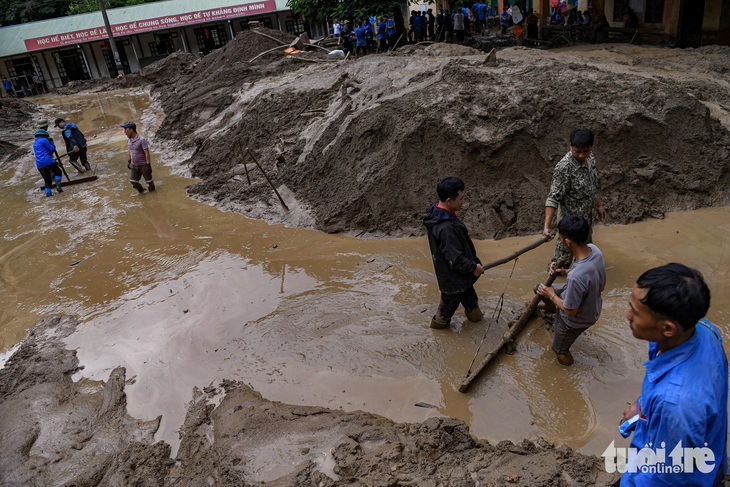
x,y
184,295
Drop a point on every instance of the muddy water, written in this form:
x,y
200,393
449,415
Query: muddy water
x,y
184,295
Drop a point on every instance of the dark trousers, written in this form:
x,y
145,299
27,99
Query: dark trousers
x,y
49,173
383,45
74,156
450,302
392,40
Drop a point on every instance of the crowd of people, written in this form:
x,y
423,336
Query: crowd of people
x,y
683,401
378,34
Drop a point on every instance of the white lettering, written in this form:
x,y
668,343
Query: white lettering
x,y
650,460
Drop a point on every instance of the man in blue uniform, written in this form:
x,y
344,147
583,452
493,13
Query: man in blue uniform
x,y
682,409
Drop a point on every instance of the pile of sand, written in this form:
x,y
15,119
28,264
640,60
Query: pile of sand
x,y
358,146
18,123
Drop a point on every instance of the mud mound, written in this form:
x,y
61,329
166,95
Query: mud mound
x,y
359,146
59,432
17,123
217,77
164,72
171,68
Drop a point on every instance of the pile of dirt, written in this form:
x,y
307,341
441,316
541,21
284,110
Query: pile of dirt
x,y
157,75
358,146
218,76
59,432
17,123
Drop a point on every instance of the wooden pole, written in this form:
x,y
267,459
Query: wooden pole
x,y
269,37
267,178
243,158
509,335
516,254
265,52
60,164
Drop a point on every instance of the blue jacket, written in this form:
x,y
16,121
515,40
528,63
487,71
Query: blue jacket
x,y
382,32
44,149
683,399
360,37
418,23
390,24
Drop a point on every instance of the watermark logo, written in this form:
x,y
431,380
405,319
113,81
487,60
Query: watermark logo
x,y
656,460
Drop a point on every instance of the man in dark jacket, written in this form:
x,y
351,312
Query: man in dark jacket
x,y
75,142
454,257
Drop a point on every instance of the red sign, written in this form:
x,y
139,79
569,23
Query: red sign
x,y
146,25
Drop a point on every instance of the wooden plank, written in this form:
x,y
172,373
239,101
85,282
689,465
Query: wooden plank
x,y
76,181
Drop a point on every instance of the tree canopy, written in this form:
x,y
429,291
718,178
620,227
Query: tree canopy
x,y
20,11
315,11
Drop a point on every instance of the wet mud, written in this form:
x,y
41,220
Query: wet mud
x,y
83,435
234,352
342,140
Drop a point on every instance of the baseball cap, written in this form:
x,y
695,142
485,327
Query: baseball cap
x,y
129,125
57,121
42,123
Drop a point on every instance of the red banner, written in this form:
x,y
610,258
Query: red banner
x,y
146,25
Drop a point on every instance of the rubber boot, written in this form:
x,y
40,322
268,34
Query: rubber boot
x,y
151,186
566,360
87,166
48,192
438,322
138,187
58,185
474,315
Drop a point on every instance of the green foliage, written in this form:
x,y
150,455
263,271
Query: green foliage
x,y
313,10
20,11
82,6
322,10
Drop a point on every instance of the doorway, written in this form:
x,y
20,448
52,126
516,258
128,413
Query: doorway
x,y
690,23
70,65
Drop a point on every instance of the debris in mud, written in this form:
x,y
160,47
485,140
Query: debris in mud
x,y
368,132
16,121
59,432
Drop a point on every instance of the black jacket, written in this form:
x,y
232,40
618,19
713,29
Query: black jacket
x,y
452,251
73,137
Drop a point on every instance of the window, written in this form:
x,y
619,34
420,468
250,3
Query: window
x,y
210,38
654,12
295,26
11,68
618,9
162,45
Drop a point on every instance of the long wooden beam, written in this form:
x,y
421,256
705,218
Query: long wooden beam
x,y
508,336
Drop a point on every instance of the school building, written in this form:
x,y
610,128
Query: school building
x,y
76,47
41,55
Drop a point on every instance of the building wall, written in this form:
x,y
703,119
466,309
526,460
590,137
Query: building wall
x,y
136,48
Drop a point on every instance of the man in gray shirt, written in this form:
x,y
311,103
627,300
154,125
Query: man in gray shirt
x,y
579,304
